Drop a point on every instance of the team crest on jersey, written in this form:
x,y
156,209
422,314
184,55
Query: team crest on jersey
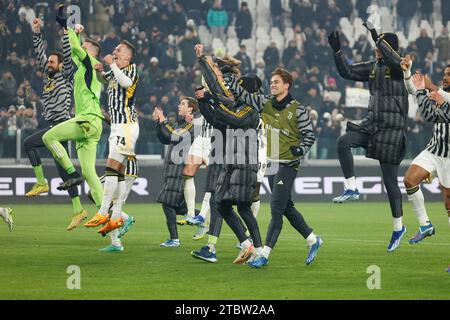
x,y
290,114
49,87
112,84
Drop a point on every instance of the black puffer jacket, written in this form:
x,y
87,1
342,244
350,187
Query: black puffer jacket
x,y
387,116
235,181
172,193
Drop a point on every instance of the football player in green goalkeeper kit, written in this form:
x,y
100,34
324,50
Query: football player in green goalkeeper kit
x,y
86,127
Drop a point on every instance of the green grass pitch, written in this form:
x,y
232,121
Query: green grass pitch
x,y
34,258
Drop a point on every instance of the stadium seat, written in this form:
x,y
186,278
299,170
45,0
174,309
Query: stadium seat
x,y
358,23
288,33
359,30
280,43
344,22
252,6
387,20
424,24
414,32
262,43
437,27
261,32
204,34
402,41
275,32
232,42
348,32
231,32
217,44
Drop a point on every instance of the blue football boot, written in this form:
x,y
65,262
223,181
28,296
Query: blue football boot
x,y
347,196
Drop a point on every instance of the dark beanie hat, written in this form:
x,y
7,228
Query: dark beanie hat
x,y
391,39
252,83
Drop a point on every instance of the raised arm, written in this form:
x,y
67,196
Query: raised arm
x,y
255,100
390,56
356,72
406,64
429,110
39,46
75,45
433,107
67,58
210,77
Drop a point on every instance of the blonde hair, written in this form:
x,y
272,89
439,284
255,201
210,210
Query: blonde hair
x,y
233,63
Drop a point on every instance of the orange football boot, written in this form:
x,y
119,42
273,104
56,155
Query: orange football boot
x,y
110,226
96,221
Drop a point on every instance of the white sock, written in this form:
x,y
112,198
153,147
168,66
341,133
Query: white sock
x,y
189,195
3,213
418,203
398,224
246,243
258,250
114,235
207,218
115,215
350,183
118,202
311,239
266,251
205,205
255,208
212,247
124,216
109,191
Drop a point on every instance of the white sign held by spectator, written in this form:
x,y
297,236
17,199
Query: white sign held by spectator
x,y
74,16
356,98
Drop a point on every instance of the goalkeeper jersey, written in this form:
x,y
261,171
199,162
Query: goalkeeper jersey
x,y
87,88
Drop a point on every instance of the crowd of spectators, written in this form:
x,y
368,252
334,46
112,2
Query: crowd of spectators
x,y
165,32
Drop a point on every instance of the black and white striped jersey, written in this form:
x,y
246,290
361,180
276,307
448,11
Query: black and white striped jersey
x,y
122,101
57,93
200,122
439,144
132,167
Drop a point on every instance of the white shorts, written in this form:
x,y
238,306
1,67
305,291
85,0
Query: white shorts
x,y
432,163
200,148
262,159
122,141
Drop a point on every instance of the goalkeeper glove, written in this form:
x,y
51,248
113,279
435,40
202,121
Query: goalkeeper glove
x,y
333,40
296,151
61,18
